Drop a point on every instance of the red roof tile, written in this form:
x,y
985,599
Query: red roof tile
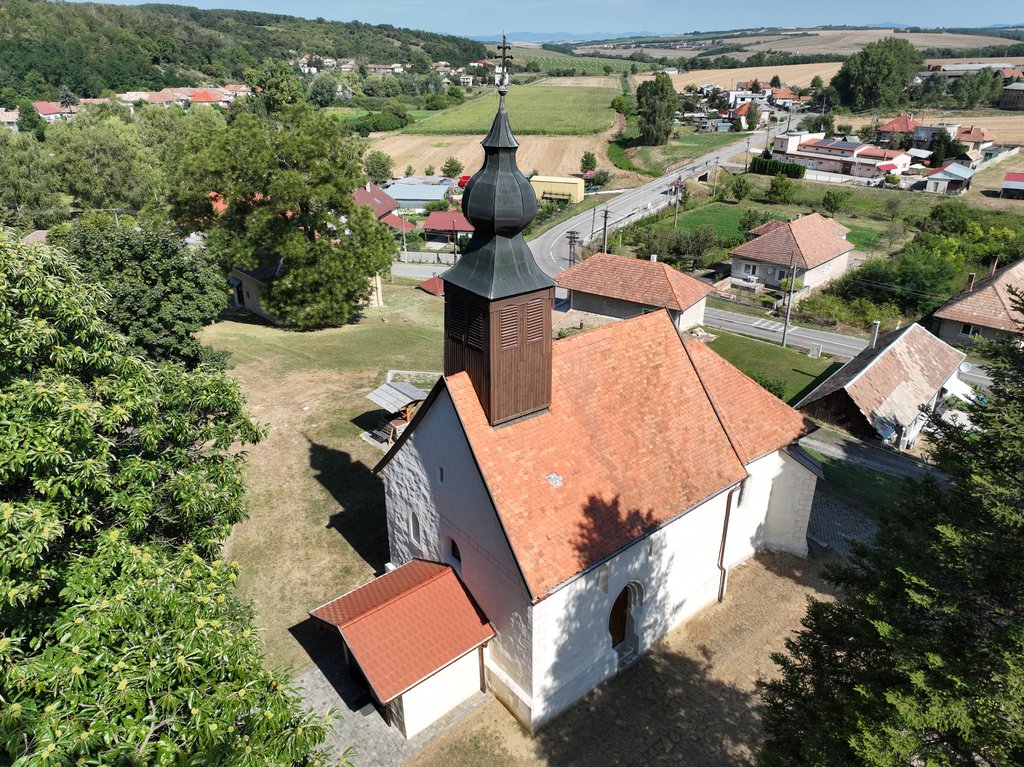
x,y
639,430
407,625
448,221
1013,177
989,304
901,124
808,241
205,97
432,285
398,223
650,283
372,195
973,133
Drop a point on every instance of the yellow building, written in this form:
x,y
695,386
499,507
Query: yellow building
x,y
558,188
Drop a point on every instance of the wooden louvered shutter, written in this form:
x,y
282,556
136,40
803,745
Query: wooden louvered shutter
x,y
475,332
508,327
456,320
535,321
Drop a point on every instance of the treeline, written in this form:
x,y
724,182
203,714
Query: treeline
x,y
92,49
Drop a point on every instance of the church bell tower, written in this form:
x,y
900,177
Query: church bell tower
x,y
497,301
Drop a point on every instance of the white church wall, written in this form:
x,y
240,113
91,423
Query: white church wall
x,y
434,477
436,695
790,489
677,569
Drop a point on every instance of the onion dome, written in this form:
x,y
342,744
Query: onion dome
x,y
500,203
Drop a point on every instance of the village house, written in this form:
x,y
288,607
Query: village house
x,y
614,286
9,118
446,224
888,390
1013,186
383,205
414,193
905,125
924,135
951,178
974,137
577,498
812,247
984,309
51,111
839,155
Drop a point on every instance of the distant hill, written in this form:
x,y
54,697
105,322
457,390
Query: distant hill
x,y
90,47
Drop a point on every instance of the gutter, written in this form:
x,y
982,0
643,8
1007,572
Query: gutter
x,y
723,573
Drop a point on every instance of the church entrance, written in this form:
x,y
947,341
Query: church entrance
x,y
624,624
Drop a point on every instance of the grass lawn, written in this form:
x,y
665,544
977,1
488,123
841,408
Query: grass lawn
x,y
316,527
551,61
871,492
799,372
677,151
346,114
533,109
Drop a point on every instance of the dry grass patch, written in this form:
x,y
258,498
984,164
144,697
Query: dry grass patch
x,y
798,75
986,185
584,82
316,527
1007,128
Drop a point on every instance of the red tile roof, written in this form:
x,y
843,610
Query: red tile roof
x,y
372,195
807,242
1013,177
650,283
45,108
742,109
878,153
901,124
640,429
398,223
973,133
989,304
432,285
448,221
205,97
407,625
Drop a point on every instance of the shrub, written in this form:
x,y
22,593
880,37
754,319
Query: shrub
x,y
770,384
769,167
782,191
438,206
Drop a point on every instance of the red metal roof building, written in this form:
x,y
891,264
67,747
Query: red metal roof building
x,y
432,285
447,222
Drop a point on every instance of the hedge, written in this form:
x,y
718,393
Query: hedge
x,y
773,167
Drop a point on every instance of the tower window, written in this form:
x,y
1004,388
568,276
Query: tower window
x,y
456,320
415,527
440,474
475,335
508,327
456,554
535,320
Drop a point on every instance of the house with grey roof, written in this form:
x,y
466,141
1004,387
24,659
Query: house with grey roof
x,y
983,309
888,391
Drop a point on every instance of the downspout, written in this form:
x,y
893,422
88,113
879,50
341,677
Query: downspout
x,y
723,573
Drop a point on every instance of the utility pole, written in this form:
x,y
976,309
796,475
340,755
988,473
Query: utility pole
x,y
789,303
604,237
714,189
746,157
574,239
675,218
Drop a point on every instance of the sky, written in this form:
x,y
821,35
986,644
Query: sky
x,y
619,17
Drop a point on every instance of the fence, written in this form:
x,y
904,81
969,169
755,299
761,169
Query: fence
x,y
426,257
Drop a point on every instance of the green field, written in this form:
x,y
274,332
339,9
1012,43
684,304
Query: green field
x,y
688,146
799,372
551,61
532,110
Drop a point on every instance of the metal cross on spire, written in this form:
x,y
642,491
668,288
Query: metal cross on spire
x,y
506,57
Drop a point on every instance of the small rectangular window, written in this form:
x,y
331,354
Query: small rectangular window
x,y
440,474
969,330
750,269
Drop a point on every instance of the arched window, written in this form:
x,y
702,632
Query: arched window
x,y
415,527
456,555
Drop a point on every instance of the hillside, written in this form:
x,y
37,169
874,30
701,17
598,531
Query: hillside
x,y
90,47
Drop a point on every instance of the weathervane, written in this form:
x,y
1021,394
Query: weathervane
x,y
506,57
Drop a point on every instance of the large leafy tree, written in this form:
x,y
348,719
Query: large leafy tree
x,y
920,662
656,103
275,85
878,76
121,639
286,186
162,291
29,187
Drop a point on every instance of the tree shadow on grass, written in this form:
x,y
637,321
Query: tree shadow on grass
x,y
361,519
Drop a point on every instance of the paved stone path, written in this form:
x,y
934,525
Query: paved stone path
x,y
834,525
847,448
357,723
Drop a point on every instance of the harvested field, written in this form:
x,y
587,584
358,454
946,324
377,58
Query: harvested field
x,y
848,41
548,155
602,81
537,109
690,701
799,75
1008,128
986,185
976,60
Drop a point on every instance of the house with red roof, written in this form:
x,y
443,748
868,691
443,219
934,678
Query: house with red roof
x,y
839,155
812,247
1013,186
384,207
614,286
984,308
974,137
903,124
589,494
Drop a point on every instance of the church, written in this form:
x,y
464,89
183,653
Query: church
x,y
555,507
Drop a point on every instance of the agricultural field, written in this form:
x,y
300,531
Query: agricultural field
x,y
845,42
797,75
1008,128
678,151
590,81
986,184
532,109
552,60
548,155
